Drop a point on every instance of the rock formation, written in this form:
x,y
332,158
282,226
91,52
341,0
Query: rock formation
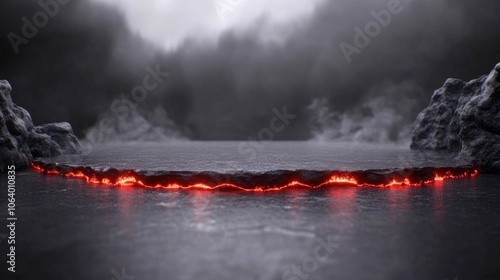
x,y
21,141
464,118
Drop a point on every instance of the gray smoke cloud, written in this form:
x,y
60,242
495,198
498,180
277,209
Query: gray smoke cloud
x,y
85,58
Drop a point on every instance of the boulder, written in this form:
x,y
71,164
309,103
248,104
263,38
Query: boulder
x,y
21,141
432,128
15,124
464,118
53,139
480,123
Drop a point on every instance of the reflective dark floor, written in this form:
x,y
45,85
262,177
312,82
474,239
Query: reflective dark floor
x,y
70,230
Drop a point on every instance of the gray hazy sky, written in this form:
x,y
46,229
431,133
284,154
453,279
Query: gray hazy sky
x,y
167,22
88,56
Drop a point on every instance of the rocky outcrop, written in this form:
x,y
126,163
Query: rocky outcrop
x,y
464,118
432,129
15,124
21,141
53,139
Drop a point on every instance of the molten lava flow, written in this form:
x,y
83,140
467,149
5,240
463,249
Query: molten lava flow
x,y
345,179
448,175
175,181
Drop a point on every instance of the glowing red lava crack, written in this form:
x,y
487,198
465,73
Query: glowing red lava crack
x,y
257,182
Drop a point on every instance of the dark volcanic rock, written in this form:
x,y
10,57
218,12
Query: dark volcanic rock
x,y
464,118
52,140
480,123
432,130
15,123
20,140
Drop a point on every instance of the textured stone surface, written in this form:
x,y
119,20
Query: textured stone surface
x,y
14,125
432,129
464,118
52,140
480,123
20,140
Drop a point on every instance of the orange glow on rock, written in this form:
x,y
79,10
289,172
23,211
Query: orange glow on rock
x,y
131,178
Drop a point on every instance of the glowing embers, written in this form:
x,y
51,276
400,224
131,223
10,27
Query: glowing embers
x,y
256,182
342,179
450,175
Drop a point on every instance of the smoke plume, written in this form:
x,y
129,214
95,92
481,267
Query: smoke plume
x,y
85,58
